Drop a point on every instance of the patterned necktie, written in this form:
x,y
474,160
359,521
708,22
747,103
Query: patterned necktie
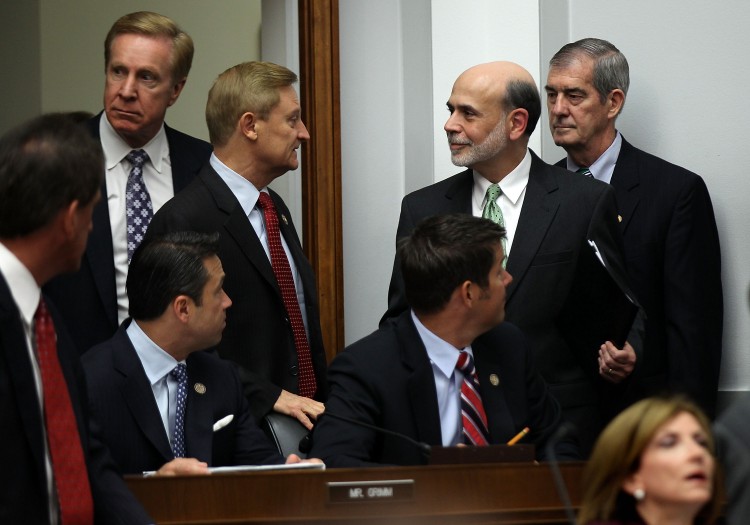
x,y
138,208
283,273
585,172
473,416
68,464
493,212
179,373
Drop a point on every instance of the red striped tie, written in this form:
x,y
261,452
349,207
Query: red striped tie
x,y
283,273
68,465
473,416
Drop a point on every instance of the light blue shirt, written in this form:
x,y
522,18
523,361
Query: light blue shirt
x,y
443,357
157,364
603,168
247,195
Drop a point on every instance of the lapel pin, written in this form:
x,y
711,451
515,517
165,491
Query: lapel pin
x,y
200,388
494,380
619,218
283,218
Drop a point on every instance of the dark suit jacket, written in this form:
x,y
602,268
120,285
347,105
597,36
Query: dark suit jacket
x,y
258,336
673,257
88,298
23,487
560,212
123,403
386,380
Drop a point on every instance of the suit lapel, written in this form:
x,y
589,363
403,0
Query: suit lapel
x,y
185,162
540,206
626,182
20,374
198,415
421,382
458,195
136,390
488,362
238,226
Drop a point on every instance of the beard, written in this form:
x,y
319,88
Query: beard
x,y
493,144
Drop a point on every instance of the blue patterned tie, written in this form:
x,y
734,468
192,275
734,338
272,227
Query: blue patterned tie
x,y
179,373
138,207
493,212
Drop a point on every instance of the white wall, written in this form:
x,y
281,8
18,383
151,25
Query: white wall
x,y
685,105
398,61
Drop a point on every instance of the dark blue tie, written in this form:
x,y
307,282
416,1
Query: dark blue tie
x,y
179,373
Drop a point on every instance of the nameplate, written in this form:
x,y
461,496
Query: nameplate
x,y
370,491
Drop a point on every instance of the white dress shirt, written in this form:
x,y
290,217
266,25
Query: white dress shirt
x,y
157,175
513,186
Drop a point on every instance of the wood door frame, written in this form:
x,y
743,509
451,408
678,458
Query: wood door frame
x,y
321,162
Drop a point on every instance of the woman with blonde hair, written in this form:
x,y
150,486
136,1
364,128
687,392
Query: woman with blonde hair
x,y
654,464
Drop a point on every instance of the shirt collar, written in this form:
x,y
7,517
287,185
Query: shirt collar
x,y
156,362
512,185
23,287
604,166
242,188
441,353
115,149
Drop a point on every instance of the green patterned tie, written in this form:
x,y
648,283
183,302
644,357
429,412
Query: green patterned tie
x,y
493,212
585,172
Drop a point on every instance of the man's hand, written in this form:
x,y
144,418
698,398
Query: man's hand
x,y
615,365
294,458
183,467
302,408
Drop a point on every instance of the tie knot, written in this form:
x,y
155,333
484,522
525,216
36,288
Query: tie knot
x,y
137,157
465,363
585,172
265,201
179,373
41,310
493,192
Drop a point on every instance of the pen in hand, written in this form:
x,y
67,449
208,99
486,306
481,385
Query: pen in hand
x,y
518,436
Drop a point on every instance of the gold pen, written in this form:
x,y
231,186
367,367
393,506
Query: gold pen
x,y
518,437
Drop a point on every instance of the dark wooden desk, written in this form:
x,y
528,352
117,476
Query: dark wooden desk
x,y
455,494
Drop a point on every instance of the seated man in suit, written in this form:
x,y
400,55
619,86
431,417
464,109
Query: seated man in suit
x,y
162,403
415,375
54,469
147,58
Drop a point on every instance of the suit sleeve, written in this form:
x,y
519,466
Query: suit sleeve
x,y
693,296
396,297
336,442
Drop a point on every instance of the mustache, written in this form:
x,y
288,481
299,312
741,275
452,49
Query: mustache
x,y
453,138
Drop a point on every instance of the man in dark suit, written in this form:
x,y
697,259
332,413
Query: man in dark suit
x,y
178,307
671,242
56,470
147,60
405,378
550,216
273,328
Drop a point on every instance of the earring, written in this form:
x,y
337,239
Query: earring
x,y
639,494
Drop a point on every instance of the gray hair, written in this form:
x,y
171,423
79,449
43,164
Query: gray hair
x,y
611,69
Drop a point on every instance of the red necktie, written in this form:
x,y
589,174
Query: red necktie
x,y
68,465
283,273
473,416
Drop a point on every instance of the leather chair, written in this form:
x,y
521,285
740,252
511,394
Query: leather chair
x,y
286,433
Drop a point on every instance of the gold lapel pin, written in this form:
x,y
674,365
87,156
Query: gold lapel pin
x,y
283,218
200,388
619,218
494,380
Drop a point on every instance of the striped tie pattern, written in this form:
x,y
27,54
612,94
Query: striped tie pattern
x,y
473,417
585,172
